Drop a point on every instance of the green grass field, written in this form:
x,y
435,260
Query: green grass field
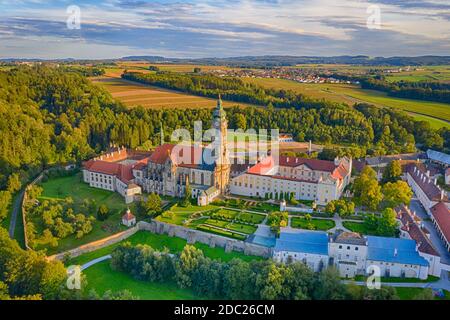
x,y
351,94
358,227
102,278
61,188
411,293
319,224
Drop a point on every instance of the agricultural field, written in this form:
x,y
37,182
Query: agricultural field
x,y
438,114
72,186
425,73
314,224
134,94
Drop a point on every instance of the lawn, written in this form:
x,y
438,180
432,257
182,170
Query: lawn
x,y
411,293
351,94
319,224
358,227
159,242
101,278
72,186
400,280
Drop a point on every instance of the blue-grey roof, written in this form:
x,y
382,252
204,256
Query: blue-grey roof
x,y
383,249
438,156
304,242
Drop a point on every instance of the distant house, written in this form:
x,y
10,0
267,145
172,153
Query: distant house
x,y
447,176
129,220
411,227
440,215
425,188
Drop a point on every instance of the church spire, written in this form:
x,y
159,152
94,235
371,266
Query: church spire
x,y
219,102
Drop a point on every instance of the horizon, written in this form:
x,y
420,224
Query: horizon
x,y
108,29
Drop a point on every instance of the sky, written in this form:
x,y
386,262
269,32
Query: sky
x,y
49,29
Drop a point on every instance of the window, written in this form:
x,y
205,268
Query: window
x,y
356,248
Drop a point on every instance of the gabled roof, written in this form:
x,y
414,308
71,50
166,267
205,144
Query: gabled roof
x,y
349,238
438,156
394,250
303,242
182,156
425,183
313,164
441,215
128,216
410,224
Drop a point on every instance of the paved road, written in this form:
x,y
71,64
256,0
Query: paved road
x,y
434,237
95,261
442,283
15,213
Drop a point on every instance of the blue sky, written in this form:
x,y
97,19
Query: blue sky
x,y
205,28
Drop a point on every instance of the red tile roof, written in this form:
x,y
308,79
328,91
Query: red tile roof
x,y
441,215
313,164
161,154
128,216
410,225
425,183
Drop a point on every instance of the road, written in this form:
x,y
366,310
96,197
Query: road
x,y
15,212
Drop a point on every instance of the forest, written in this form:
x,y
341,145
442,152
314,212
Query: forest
x,y
423,90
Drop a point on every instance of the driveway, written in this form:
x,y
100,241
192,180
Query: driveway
x,y
15,212
416,206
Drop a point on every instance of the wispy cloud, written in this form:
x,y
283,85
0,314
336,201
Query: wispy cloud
x,y
111,28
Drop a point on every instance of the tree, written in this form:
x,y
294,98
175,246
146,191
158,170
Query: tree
x,y
102,213
14,183
328,286
5,202
426,294
371,195
397,193
186,201
153,206
392,172
387,224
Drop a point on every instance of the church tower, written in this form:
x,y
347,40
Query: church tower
x,y
222,169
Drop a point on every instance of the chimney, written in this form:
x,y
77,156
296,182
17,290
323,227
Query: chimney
x,y
395,252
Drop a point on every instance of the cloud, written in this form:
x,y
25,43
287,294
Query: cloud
x,y
222,28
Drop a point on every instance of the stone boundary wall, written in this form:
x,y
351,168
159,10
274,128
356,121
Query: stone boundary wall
x,y
157,227
93,246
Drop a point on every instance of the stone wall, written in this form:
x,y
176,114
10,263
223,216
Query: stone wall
x,y
191,236
212,240
93,246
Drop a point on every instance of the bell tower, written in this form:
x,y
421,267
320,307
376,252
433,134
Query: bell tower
x,y
222,169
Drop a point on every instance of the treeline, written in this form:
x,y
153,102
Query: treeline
x,y
229,88
27,275
237,279
423,90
